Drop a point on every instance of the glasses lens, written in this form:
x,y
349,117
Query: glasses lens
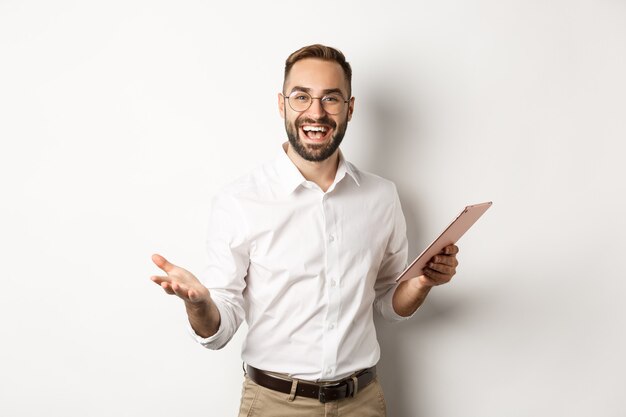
x,y
299,100
332,103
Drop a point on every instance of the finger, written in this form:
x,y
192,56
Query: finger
x,y
180,290
168,288
162,263
444,269
436,276
449,260
189,294
450,250
194,296
158,279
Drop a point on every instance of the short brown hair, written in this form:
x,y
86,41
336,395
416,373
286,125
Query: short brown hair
x,y
323,52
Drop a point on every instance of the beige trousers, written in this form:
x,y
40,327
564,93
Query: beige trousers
x,y
258,401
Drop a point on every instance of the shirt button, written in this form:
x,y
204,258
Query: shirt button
x,y
333,283
329,371
331,238
331,326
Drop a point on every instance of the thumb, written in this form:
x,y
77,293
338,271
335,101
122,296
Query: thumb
x,y
162,263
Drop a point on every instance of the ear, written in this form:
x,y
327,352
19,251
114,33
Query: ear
x,y
281,105
350,108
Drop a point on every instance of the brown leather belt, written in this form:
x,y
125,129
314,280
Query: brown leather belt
x,y
324,392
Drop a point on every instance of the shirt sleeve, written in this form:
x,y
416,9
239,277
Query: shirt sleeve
x,y
393,263
227,265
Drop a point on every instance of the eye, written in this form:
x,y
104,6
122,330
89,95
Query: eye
x,y
330,99
300,97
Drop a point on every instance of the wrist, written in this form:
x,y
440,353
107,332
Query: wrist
x,y
419,286
204,317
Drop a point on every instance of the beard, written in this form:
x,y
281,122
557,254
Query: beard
x,y
315,152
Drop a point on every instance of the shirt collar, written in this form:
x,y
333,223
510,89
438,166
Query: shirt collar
x,y
291,178
350,169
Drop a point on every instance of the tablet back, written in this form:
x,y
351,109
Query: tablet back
x,y
449,236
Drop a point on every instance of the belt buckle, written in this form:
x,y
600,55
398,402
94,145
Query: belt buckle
x,y
322,396
349,390
322,392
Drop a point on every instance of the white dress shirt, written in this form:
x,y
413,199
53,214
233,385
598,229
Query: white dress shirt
x,y
305,267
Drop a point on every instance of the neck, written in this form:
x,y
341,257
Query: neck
x,y
321,173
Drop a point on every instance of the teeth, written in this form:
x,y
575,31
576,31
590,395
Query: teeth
x,y
314,129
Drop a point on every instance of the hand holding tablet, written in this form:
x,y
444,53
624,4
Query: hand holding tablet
x,y
461,224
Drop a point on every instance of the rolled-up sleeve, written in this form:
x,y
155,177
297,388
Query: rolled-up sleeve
x,y
393,263
228,255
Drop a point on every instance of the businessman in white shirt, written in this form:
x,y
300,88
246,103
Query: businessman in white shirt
x,y
304,248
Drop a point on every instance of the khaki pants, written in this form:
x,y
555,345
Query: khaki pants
x,y
257,401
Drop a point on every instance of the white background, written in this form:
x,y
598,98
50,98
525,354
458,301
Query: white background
x,y
120,119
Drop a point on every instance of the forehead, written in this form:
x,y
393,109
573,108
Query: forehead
x,y
316,74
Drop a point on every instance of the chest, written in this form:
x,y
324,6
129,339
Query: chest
x,y
306,231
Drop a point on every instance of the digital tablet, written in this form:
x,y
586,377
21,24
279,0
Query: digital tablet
x,y
449,236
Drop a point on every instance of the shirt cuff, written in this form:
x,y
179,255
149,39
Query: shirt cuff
x,y
212,342
386,307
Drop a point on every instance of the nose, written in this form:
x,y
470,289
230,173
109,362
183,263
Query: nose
x,y
316,110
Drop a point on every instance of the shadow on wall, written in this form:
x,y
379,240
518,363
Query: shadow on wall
x,y
393,144
396,139
391,140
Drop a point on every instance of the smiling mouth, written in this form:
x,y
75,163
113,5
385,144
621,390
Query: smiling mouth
x,y
316,133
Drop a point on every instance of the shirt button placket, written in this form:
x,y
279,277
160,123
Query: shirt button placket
x,y
333,289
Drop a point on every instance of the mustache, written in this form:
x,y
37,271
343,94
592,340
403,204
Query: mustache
x,y
322,121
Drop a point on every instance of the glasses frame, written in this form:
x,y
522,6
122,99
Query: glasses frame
x,y
311,103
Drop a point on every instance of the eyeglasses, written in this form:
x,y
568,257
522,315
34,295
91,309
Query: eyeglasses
x,y
331,103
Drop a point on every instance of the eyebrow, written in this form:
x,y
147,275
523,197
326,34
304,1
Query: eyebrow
x,y
324,92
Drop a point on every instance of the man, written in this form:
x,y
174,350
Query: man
x,y
304,247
